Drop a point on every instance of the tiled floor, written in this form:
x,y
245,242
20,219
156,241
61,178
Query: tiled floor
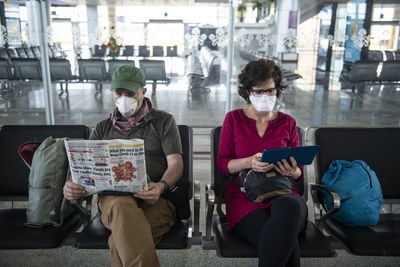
x,y
377,106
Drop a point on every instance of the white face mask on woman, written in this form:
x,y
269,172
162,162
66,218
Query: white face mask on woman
x,y
126,105
263,103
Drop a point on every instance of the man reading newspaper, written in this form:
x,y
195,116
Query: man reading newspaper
x,y
138,221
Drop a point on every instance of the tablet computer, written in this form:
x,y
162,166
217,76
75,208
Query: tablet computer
x,y
303,155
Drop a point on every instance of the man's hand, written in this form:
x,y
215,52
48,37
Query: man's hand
x,y
153,194
73,191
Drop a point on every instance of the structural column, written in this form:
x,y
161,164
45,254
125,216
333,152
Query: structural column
x,y
32,7
286,11
92,23
228,106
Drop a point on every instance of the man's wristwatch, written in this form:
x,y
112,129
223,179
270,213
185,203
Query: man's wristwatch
x,y
166,185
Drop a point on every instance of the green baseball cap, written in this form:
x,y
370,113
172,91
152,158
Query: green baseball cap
x,y
128,77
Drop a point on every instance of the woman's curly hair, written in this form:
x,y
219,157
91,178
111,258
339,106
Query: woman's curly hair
x,y
257,72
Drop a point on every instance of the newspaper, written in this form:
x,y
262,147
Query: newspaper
x,y
112,165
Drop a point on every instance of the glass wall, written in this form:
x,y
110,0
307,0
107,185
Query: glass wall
x,y
385,27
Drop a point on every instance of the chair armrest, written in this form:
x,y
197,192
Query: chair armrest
x,y
210,202
83,210
196,235
319,205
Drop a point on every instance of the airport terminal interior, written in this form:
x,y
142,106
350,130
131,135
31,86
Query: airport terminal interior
x,y
192,52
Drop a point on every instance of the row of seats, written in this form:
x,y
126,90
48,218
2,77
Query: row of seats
x,y
90,70
29,52
251,55
203,68
379,55
371,71
335,143
130,51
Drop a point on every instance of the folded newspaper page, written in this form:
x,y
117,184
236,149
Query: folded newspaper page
x,y
112,165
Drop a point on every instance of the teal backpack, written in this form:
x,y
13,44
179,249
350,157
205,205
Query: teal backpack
x,y
359,191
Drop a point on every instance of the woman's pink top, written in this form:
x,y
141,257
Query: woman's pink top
x,y
239,139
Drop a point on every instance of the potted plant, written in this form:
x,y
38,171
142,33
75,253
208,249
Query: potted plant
x,y
113,42
257,5
241,11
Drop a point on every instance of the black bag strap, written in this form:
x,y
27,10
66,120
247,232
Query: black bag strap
x,y
221,195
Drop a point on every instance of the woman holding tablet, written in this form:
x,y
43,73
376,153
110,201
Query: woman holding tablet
x,y
274,225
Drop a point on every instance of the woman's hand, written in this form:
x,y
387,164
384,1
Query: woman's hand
x,y
72,190
286,169
153,193
259,166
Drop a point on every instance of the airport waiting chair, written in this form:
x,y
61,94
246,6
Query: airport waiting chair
x,y
52,51
172,51
379,148
364,71
36,51
114,54
115,63
143,51
313,242
154,70
60,72
3,53
14,234
158,51
6,74
21,52
128,51
390,71
99,51
376,55
5,69
12,53
397,55
95,235
27,69
389,55
93,70
29,52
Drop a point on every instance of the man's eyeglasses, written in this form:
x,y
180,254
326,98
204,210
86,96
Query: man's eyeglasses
x,y
263,91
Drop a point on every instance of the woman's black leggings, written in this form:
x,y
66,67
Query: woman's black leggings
x,y
274,231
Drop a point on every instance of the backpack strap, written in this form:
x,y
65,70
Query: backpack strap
x,y
221,195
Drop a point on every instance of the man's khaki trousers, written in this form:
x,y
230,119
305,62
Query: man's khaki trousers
x,y
136,228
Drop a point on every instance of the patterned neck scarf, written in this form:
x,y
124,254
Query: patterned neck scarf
x,y
124,125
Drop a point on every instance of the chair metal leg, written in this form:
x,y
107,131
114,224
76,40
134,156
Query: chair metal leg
x,y
208,239
154,86
196,235
66,88
61,89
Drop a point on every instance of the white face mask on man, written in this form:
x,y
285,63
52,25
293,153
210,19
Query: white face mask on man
x,y
126,105
263,103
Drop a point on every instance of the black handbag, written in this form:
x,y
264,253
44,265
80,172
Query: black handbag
x,y
260,186
178,194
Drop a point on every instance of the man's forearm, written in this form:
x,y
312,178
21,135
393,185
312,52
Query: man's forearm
x,y
173,174
174,170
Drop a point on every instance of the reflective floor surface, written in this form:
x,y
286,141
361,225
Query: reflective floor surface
x,y
375,106
371,106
